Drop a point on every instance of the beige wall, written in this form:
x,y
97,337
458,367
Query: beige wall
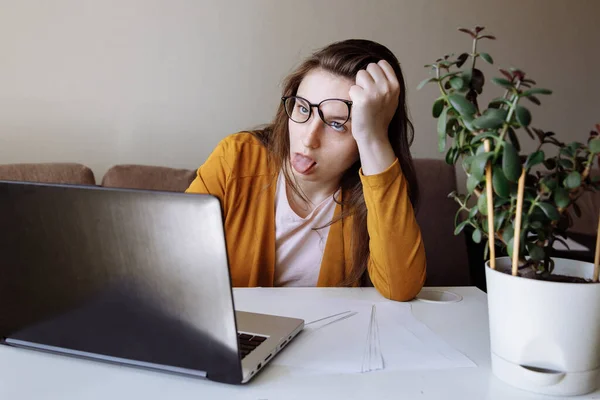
x,y
162,81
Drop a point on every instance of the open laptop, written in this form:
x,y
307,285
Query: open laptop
x,y
127,276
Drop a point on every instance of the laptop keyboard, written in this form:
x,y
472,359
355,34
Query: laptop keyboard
x,y
248,343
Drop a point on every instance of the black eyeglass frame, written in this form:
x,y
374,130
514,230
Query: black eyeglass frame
x,y
311,106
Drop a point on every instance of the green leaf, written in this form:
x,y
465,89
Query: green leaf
x,y
534,159
467,75
473,212
477,234
549,210
487,57
460,227
485,135
482,204
534,100
521,248
468,121
450,156
567,151
461,104
594,146
496,112
455,156
574,146
511,164
523,116
509,246
500,201
536,91
561,197
438,106
478,165
441,129
425,82
467,162
514,139
452,127
535,252
528,195
551,183
502,82
568,164
449,75
488,122
472,183
499,101
536,225
508,234
500,183
499,219
457,82
573,180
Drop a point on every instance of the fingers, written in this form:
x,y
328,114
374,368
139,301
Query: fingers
x,y
389,73
377,73
364,79
381,75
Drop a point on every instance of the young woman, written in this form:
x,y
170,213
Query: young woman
x,y
325,195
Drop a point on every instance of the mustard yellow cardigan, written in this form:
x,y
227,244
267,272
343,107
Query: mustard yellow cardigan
x,y
237,173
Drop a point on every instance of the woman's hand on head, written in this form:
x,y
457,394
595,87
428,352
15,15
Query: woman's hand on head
x,y
374,102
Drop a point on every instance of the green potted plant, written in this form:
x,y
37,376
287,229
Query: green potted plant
x,y
544,312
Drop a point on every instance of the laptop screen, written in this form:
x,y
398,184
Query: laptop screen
x,y
129,274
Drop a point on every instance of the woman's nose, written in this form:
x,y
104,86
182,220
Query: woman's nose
x,y
312,135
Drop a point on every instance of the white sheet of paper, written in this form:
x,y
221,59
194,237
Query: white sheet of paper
x,y
408,344
340,347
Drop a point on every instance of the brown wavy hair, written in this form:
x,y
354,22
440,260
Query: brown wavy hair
x,y
345,59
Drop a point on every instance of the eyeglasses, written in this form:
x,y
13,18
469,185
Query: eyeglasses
x,y
333,112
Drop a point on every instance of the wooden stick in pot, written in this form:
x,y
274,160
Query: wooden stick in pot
x,y
519,218
490,207
597,258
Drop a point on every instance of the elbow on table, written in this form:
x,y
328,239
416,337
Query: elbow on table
x,y
406,291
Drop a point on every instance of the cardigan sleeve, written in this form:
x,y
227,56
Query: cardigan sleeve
x,y
212,176
397,263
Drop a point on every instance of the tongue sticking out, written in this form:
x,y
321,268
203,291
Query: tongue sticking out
x,y
302,163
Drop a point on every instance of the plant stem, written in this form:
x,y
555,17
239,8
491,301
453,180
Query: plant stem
x,y
511,110
474,54
437,75
539,147
588,167
533,203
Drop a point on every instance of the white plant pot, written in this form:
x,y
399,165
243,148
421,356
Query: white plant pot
x,y
545,336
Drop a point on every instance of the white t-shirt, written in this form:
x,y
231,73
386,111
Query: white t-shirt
x,y
298,248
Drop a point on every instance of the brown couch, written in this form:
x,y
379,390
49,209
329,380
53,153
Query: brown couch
x,y
447,262
68,173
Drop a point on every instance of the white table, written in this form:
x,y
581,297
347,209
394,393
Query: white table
x,y
28,374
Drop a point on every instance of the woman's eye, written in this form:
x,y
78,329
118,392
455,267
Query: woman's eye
x,y
338,127
303,109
